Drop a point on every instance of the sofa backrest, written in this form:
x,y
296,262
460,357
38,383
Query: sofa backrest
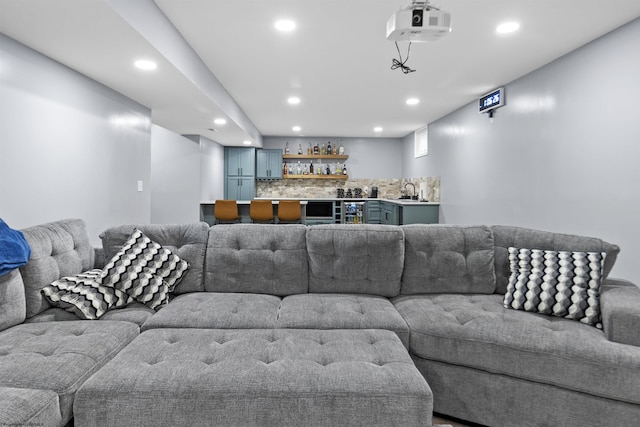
x,y
58,249
257,258
13,306
448,259
519,237
188,241
358,259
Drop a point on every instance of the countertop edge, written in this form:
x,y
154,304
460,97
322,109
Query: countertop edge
x,y
403,202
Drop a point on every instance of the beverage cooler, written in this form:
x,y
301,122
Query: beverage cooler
x,y
353,213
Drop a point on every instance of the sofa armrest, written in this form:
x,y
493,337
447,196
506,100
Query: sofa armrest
x,y
13,305
620,307
99,262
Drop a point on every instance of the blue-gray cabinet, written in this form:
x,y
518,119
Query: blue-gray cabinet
x,y
239,188
239,166
389,213
268,164
419,214
239,161
392,213
373,211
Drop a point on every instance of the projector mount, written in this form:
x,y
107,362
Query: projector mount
x,y
417,4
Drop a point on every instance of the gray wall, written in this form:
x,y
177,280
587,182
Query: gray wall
x,y
69,146
211,170
562,155
175,178
375,158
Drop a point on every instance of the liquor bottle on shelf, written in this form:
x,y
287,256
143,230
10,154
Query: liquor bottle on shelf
x,y
299,168
328,171
316,149
300,149
329,149
341,149
286,148
311,166
344,169
338,169
306,170
290,169
284,169
324,149
309,149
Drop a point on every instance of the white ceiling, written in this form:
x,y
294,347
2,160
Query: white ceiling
x,y
337,60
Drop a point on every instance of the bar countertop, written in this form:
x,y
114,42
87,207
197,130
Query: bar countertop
x,y
403,202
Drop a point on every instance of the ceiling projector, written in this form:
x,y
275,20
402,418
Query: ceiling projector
x,y
420,22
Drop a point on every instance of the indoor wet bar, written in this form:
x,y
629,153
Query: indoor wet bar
x,y
409,213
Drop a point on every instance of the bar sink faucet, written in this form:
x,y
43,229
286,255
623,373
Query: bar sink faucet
x,y
413,194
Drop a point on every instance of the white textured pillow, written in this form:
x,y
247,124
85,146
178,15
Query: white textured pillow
x,y
558,283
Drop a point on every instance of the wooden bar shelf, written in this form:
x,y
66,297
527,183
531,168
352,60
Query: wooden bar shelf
x,y
315,156
314,176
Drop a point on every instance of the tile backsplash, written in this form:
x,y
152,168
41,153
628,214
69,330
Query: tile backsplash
x,y
327,188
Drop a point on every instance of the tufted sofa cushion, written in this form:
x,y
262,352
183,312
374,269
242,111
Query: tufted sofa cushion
x,y
58,249
29,407
217,310
341,311
258,378
518,237
476,331
59,356
12,302
448,258
257,258
188,241
355,259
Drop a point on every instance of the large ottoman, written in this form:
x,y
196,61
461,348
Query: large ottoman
x,y
29,407
280,377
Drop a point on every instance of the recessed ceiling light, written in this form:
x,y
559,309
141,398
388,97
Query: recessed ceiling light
x,y
285,25
377,129
246,142
220,121
293,100
507,27
296,128
413,101
145,64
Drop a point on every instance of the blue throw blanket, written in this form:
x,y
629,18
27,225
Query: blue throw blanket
x,y
14,249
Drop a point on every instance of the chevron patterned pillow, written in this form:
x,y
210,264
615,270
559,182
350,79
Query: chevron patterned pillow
x,y
557,283
145,270
149,289
84,296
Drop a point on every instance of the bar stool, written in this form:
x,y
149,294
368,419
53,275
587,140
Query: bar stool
x,y
289,211
261,211
226,211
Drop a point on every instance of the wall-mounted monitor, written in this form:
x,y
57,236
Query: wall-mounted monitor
x,y
491,100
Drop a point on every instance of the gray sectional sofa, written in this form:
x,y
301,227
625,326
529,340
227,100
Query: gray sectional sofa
x,y
319,325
